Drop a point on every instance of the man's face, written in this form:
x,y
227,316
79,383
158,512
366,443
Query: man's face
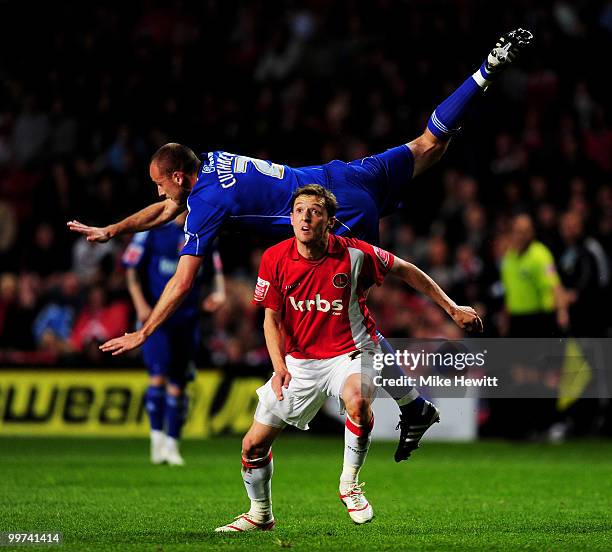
x,y
571,227
310,220
522,232
173,186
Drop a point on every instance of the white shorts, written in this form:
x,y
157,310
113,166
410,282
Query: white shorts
x,y
312,382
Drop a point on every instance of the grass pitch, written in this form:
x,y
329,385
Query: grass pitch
x,y
104,495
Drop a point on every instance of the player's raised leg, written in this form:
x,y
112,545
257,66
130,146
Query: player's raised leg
x,y
417,414
387,175
447,118
357,439
257,469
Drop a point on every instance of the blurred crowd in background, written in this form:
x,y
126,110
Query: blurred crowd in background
x,y
89,93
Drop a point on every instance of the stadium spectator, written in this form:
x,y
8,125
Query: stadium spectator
x,y
466,275
18,306
54,323
437,263
97,321
578,269
580,277
31,131
90,262
548,227
45,256
8,235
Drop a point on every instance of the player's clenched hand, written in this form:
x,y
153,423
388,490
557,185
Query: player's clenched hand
x,y
91,233
123,344
467,319
280,380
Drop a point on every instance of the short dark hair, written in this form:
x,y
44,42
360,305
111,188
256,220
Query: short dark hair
x,y
329,199
176,157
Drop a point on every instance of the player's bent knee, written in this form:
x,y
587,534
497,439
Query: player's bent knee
x,y
357,407
253,447
258,440
427,150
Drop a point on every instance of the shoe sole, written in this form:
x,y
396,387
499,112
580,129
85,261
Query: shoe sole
x,y
362,522
266,528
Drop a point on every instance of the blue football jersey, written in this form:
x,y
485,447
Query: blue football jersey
x,y
156,252
244,194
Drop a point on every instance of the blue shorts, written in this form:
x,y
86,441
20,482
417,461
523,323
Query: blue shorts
x,y
170,350
368,189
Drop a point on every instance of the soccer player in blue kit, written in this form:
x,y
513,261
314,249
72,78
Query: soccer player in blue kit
x,y
239,193
169,354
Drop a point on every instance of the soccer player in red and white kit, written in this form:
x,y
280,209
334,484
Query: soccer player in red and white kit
x,y
322,341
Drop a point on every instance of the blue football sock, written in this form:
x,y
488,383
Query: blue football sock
x,y
155,404
176,414
447,118
402,394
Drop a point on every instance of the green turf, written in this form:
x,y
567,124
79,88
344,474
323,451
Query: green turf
x,y
103,495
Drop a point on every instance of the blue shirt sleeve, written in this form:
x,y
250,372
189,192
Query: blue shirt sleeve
x,y
202,226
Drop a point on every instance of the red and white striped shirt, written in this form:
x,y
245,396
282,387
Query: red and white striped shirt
x,y
323,302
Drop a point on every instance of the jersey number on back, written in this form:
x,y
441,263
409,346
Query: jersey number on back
x,y
264,167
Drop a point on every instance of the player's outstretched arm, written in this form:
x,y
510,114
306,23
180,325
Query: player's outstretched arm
x,y
465,317
273,335
175,291
151,216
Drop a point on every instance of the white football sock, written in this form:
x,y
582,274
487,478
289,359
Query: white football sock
x,y
257,477
357,439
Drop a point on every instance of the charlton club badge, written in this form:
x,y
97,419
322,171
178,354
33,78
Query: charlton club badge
x,y
340,280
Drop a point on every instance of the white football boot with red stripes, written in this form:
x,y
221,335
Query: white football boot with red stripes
x,y
244,522
356,503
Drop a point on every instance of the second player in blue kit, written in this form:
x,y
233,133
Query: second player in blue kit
x,y
169,354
